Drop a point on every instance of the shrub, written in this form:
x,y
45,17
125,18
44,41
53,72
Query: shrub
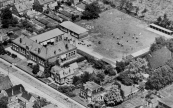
x,y
14,56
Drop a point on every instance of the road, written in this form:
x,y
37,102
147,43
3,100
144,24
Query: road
x,y
40,88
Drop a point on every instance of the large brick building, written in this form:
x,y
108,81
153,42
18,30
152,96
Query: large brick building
x,y
60,52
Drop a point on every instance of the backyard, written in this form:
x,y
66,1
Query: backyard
x,y
115,35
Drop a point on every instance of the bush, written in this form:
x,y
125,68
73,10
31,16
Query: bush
x,y
14,56
8,53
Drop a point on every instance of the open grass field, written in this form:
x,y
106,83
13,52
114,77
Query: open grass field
x,y
119,34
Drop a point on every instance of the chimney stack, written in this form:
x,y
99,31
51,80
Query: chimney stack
x,y
38,50
20,40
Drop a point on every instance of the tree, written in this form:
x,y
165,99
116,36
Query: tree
x,y
160,78
122,3
47,69
3,102
129,7
159,20
110,70
36,69
76,80
120,66
6,17
159,43
113,97
37,7
85,77
91,11
2,50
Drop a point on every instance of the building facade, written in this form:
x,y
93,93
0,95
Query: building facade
x,y
73,29
90,91
60,52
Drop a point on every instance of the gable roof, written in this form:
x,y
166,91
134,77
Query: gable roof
x,y
5,83
42,2
23,6
81,5
159,58
62,72
47,35
26,95
73,27
15,90
41,51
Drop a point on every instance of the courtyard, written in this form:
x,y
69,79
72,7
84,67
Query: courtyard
x,y
116,35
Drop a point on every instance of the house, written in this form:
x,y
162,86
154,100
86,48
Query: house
x,y
22,8
13,94
62,75
166,102
90,91
5,83
74,29
158,58
45,3
27,99
61,52
4,3
54,35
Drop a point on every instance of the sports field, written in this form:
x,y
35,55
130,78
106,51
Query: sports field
x,y
118,34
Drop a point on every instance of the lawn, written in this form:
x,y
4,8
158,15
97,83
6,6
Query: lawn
x,y
119,34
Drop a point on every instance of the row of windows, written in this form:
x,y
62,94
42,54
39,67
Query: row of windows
x,y
71,54
166,32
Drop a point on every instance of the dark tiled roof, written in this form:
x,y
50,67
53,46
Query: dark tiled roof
x,y
159,58
15,90
5,83
26,95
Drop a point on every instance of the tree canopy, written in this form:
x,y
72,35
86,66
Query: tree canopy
x,y
2,50
3,102
91,11
36,69
114,96
160,78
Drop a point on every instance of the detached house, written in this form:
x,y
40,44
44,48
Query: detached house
x,y
74,29
13,94
27,100
90,91
22,7
62,75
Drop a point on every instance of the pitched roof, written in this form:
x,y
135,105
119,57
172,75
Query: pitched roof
x,y
159,58
15,90
62,72
41,51
5,83
41,2
91,85
26,95
73,27
47,35
168,101
23,6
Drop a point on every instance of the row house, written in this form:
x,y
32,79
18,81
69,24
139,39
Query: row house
x,y
60,52
90,91
73,29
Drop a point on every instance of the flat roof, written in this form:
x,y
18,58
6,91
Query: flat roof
x,y
47,35
73,27
160,27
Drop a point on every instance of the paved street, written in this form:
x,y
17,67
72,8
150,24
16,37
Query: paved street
x,y
41,89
